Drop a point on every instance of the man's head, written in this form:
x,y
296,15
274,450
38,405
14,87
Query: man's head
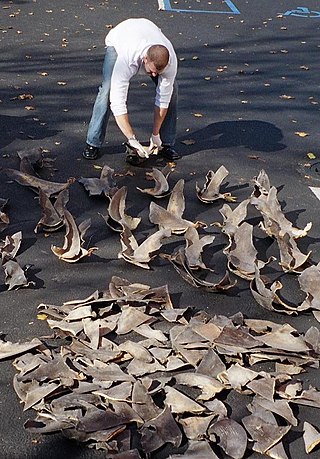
x,y
156,59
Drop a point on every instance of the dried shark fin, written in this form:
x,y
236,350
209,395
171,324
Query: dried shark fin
x,y
291,258
29,159
241,254
196,450
311,437
171,217
280,407
4,218
232,218
195,427
53,213
208,386
238,376
14,275
9,349
176,203
141,255
194,248
50,188
309,281
106,184
284,338
268,297
72,249
180,403
178,261
277,452
230,436
10,246
265,435
275,223
210,191
166,171
261,185
117,219
161,188
160,430
167,220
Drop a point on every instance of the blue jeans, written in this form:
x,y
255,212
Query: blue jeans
x,y
101,109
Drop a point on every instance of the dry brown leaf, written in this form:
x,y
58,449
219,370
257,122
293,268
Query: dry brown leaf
x,y
301,134
188,142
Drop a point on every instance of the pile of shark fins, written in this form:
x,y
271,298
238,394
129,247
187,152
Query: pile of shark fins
x,y
126,372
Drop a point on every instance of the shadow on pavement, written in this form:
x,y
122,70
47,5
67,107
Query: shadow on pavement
x,y
22,127
254,135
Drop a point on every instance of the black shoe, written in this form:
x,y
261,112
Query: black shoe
x,y
91,152
169,153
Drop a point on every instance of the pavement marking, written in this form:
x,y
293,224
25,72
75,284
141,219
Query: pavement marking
x,y
303,12
316,191
165,5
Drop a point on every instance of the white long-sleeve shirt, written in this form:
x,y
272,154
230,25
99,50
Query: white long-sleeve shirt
x,y
131,40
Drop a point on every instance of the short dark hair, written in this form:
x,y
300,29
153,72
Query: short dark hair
x,y
159,56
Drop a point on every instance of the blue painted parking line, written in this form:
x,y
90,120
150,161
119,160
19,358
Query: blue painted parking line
x,y
166,6
303,12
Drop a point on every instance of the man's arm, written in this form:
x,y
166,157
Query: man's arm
x,y
159,115
124,125
126,128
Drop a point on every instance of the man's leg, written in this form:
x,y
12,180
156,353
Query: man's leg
x,y
168,129
101,110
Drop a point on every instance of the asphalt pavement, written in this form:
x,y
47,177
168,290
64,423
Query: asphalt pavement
x,y
248,99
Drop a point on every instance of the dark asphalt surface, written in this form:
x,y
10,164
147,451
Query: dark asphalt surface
x,y
234,71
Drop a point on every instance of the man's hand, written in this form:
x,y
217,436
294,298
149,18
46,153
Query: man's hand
x,y
155,143
142,151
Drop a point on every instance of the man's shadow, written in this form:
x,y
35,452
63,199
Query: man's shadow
x,y
22,127
254,135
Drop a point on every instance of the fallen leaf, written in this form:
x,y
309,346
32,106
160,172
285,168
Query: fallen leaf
x,y
188,142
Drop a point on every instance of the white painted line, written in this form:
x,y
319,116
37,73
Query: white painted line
x,y
316,191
